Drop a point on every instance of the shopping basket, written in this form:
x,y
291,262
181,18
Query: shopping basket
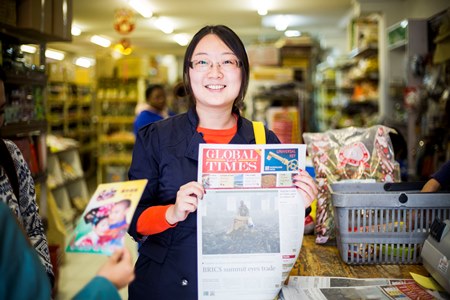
x,y
375,226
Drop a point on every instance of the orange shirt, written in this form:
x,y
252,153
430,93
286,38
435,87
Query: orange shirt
x,y
153,219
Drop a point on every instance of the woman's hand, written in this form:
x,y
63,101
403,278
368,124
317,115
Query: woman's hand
x,y
306,186
118,269
186,202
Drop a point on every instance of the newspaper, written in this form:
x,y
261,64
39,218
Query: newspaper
x,y
250,221
102,226
336,288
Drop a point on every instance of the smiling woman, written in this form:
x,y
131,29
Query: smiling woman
x,y
216,75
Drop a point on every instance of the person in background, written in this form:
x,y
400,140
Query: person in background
x,y
216,76
18,192
23,276
439,180
156,108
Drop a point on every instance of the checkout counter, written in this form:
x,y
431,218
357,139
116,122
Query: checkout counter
x,y
325,260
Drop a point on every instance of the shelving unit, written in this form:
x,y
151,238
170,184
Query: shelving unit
x,y
115,107
70,110
347,92
68,192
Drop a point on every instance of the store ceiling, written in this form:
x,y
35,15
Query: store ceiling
x,y
322,18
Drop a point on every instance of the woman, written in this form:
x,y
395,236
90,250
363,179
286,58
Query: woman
x,y
216,74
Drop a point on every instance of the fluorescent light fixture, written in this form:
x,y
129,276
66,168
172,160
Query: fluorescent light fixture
x,y
282,23
164,25
84,62
28,49
404,23
182,39
101,41
54,54
142,7
262,11
292,33
76,31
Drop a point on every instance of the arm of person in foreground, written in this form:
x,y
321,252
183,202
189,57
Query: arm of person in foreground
x,y
439,179
115,274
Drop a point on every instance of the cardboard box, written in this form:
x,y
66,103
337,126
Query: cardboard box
x,y
8,12
35,14
62,19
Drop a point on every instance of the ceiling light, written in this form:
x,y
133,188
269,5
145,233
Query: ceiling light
x,y
142,7
292,33
84,62
53,54
28,49
164,25
262,7
182,39
98,40
282,23
76,31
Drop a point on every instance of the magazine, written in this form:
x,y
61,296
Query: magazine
x,y
105,221
250,222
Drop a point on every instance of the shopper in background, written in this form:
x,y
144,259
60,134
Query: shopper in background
x,y
439,180
23,277
216,75
18,192
156,108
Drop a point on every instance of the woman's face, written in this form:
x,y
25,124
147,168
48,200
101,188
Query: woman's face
x,y
216,86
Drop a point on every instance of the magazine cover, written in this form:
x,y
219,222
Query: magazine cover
x,y
105,221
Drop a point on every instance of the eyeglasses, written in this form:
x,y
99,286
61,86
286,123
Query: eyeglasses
x,y
203,65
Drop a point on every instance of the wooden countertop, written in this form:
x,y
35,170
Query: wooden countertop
x,y
325,260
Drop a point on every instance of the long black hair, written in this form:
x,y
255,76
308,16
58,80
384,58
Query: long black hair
x,y
231,39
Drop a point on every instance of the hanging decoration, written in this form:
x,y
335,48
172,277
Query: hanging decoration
x,y
123,47
124,21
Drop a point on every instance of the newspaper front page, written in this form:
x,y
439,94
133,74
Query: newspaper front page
x,y
250,221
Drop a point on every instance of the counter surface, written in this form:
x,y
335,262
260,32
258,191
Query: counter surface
x,y
325,260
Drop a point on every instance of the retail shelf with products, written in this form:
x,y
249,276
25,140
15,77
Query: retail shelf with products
x,y
347,92
67,187
115,109
70,111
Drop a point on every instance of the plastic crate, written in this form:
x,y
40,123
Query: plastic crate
x,y
374,226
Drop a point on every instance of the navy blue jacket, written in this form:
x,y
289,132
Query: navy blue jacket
x,y
166,153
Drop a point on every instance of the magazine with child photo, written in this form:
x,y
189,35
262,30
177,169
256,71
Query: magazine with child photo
x,y
105,221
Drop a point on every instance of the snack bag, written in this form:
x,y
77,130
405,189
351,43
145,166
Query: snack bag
x,y
348,154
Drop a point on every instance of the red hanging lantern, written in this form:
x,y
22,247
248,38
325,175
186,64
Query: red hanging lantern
x,y
124,21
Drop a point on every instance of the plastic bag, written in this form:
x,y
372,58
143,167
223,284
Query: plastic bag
x,y
348,154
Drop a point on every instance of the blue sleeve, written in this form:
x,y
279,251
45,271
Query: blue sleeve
x,y
22,274
443,174
99,288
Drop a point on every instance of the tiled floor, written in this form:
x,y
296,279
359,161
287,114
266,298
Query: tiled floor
x,y
78,268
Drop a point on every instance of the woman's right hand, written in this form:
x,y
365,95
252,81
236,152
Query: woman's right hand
x,y
186,202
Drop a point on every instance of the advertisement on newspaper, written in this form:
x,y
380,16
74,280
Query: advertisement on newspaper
x,y
251,220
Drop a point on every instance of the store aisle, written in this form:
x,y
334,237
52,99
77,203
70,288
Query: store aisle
x,y
78,269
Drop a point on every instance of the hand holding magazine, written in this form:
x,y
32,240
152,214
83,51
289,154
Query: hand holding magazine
x,y
105,221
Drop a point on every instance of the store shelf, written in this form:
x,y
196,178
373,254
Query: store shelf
x,y
115,114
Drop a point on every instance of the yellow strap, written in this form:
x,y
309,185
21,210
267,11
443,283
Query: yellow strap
x,y
260,133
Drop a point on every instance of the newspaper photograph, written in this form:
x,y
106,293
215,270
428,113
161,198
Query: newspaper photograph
x,y
103,224
250,221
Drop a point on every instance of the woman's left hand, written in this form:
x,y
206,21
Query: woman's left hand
x,y
306,186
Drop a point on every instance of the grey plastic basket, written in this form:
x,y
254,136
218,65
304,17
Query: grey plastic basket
x,y
374,226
